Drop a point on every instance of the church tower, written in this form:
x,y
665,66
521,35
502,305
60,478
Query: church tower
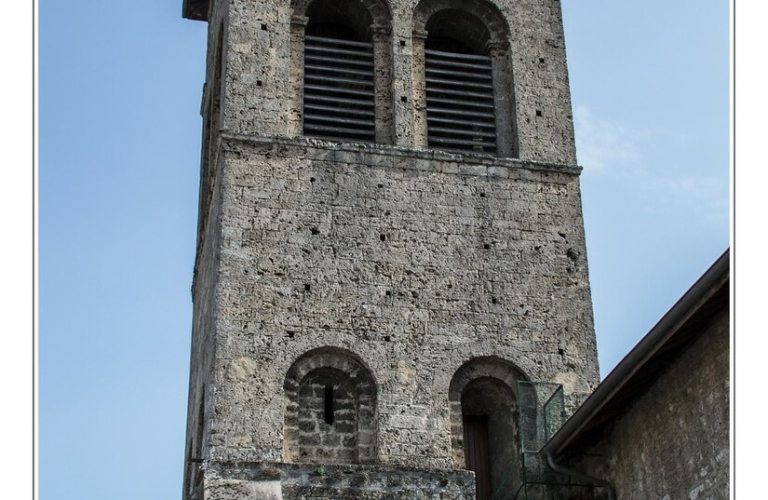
x,y
390,244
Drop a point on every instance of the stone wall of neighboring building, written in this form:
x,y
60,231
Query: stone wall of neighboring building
x,y
673,442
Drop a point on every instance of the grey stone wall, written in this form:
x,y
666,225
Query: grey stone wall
x,y
674,441
262,93
421,269
327,435
413,263
205,292
278,481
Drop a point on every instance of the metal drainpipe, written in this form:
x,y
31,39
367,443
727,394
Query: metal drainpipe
x,y
569,472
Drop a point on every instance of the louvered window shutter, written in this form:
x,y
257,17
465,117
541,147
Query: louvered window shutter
x,y
460,106
338,89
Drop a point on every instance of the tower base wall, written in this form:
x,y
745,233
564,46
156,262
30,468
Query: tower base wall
x,y
279,481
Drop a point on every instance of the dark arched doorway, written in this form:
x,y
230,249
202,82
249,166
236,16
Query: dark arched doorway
x,y
490,434
484,425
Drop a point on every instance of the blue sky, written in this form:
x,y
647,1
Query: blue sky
x,y
119,128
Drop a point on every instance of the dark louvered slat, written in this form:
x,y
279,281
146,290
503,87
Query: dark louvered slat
x,y
341,120
343,103
461,121
457,114
439,72
460,142
319,40
331,51
320,110
334,79
465,132
337,62
460,83
458,103
338,89
462,93
456,65
440,54
314,70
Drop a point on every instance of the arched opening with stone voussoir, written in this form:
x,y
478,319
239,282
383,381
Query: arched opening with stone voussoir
x,y
484,430
341,70
330,409
463,93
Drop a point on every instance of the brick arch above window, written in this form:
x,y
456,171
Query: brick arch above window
x,y
313,378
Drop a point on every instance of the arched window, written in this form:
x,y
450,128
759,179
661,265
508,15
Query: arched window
x,y
341,72
463,97
459,84
330,406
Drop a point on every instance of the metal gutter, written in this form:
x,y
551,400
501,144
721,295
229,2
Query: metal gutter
x,y
641,353
579,475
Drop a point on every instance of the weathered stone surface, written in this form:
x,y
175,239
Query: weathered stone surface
x,y
341,290
261,90
414,271
237,489
277,481
673,442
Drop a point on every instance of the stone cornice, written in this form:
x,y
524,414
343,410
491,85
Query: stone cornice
x,y
482,165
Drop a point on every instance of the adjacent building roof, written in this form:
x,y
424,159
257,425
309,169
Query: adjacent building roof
x,y
197,10
647,360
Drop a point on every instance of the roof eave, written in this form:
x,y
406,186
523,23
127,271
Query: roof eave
x,y
196,10
639,355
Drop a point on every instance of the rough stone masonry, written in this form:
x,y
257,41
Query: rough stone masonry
x,y
350,298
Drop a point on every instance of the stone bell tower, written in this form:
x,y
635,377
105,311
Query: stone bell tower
x,y
390,239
